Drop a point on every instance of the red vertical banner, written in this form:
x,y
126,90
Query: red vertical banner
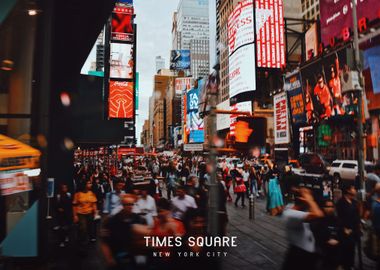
x,y
120,101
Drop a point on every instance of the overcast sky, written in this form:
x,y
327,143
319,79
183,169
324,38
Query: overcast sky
x,y
154,21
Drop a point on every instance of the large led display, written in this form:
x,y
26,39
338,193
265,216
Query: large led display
x,y
336,17
120,101
194,123
121,61
122,24
293,87
241,37
270,33
180,59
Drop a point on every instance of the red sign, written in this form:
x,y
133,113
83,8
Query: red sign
x,y
122,24
120,101
336,18
11,183
270,33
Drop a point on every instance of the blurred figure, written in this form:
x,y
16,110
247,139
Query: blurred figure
x,y
117,242
326,231
182,203
171,181
63,205
84,212
240,191
112,202
301,253
349,219
275,203
146,207
375,217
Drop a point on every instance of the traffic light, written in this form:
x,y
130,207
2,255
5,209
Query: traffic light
x,y
249,132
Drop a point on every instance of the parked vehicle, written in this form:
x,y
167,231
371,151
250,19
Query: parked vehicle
x,y
346,169
313,163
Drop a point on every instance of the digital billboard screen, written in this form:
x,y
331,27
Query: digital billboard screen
x,y
120,99
241,38
336,17
281,123
121,61
323,84
270,33
194,123
180,59
122,24
183,85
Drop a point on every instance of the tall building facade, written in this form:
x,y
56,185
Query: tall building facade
x,y
191,32
310,9
160,63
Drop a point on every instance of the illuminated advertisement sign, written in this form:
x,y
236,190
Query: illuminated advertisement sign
x,y
293,87
120,101
311,42
270,34
194,123
241,26
180,59
121,66
242,73
281,123
336,18
184,85
122,24
11,183
241,37
324,85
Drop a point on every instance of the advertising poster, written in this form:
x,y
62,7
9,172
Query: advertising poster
x,y
241,37
121,61
323,85
242,73
180,59
293,87
12,183
183,85
241,26
120,101
270,33
336,16
281,123
311,42
194,123
122,24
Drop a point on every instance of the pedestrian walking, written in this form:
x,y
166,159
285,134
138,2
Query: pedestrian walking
x,y
301,253
275,203
84,212
63,206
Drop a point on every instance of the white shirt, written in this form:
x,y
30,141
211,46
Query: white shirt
x,y
245,176
148,207
180,206
298,230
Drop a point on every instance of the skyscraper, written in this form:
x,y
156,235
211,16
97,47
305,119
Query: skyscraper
x,y
191,32
160,63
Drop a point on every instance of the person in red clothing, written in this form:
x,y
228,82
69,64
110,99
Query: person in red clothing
x,y
322,92
336,88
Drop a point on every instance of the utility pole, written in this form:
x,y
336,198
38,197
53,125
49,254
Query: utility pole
x,y
213,192
358,90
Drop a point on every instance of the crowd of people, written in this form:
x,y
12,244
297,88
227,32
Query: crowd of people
x,y
108,206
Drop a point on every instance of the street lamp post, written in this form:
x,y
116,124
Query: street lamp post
x,y
360,115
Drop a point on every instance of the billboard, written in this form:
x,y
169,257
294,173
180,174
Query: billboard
x,y
241,37
194,123
223,120
184,85
180,59
121,61
241,26
311,42
281,123
122,24
293,87
270,36
120,100
336,17
323,82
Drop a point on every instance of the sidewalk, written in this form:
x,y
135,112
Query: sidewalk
x,y
262,242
